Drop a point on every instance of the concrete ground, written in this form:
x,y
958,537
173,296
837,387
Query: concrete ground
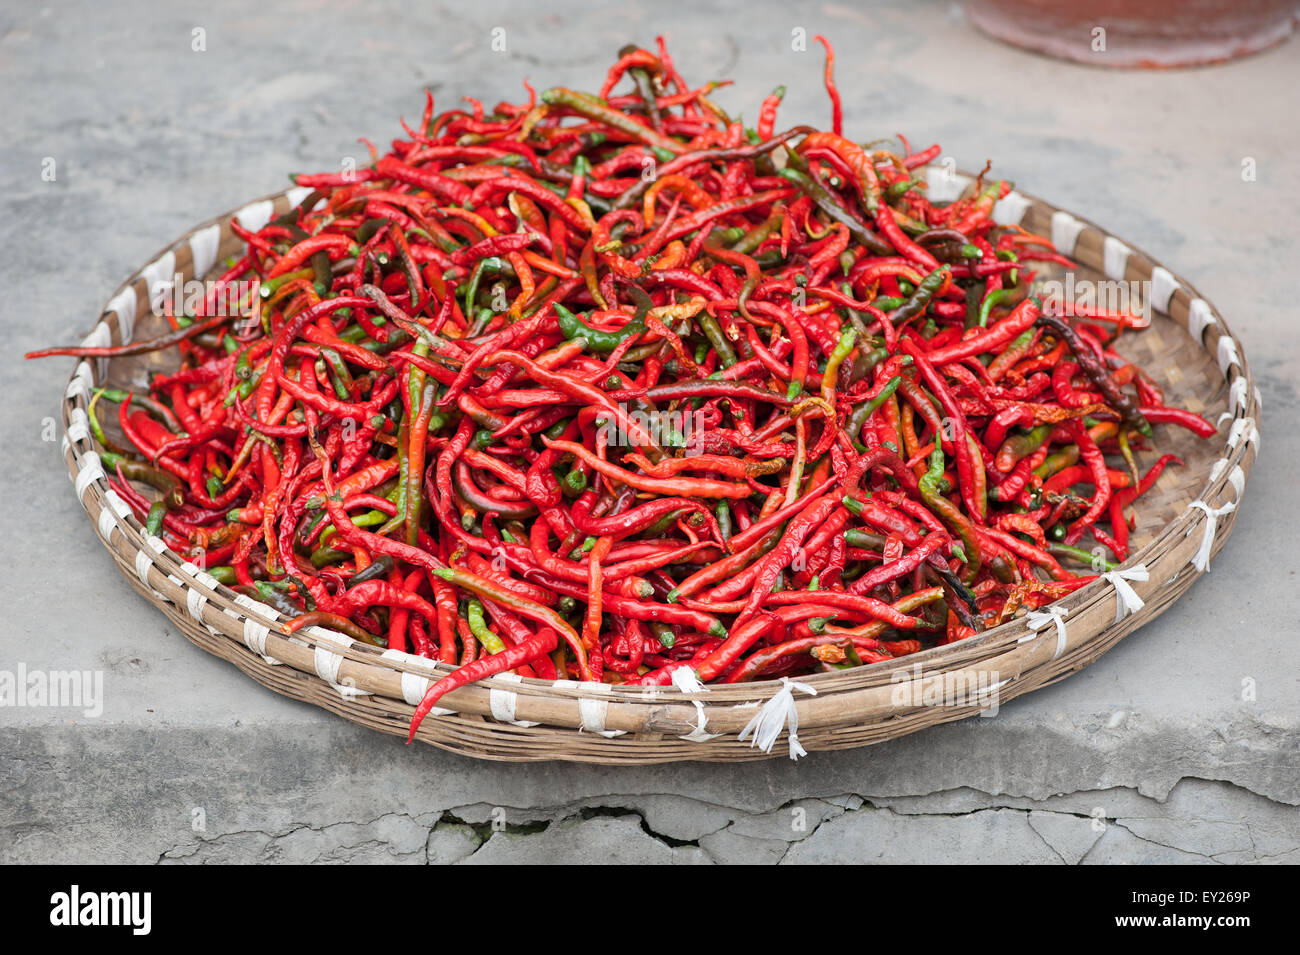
x,y
1183,744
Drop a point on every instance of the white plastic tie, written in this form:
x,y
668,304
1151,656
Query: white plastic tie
x,y
1114,258
1038,619
203,249
90,470
1198,317
1201,559
1065,232
1010,209
686,680
1127,600
1163,285
777,714
123,304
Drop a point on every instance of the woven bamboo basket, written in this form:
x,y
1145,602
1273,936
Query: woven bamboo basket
x,y
1182,522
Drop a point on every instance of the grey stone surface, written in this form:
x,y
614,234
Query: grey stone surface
x,y
1001,836
149,136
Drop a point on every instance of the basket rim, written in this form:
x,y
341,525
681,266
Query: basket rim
x,y
1236,457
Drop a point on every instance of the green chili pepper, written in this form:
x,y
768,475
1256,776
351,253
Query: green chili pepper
x,y
919,299
572,327
478,626
154,522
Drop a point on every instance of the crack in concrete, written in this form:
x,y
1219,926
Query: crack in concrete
x,y
539,820
277,836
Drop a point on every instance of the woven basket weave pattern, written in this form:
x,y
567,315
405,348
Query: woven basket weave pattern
x,y
1188,349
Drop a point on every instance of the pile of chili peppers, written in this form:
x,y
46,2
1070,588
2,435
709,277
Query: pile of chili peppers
x,y
602,386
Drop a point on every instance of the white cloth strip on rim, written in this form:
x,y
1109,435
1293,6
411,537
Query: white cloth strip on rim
x,y
255,635
1065,231
194,603
1201,559
83,379
257,607
119,506
1227,353
256,214
142,564
1114,258
202,576
203,249
159,278
326,664
1127,600
101,336
593,714
255,631
1243,428
1010,209
89,470
123,304
1163,285
1236,477
1237,392
502,703
78,425
297,194
1038,619
415,686
943,183
1198,317
106,522
777,714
